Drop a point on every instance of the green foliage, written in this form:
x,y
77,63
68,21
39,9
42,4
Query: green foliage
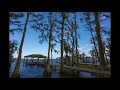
x,y
14,20
88,66
12,48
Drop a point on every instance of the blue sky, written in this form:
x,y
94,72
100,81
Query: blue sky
x,y
32,46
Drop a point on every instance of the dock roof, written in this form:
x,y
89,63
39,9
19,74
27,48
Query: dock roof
x,y
36,56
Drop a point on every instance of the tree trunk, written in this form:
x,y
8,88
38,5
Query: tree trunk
x,y
101,49
69,59
105,54
95,46
16,73
93,60
51,56
48,70
83,59
76,39
62,35
106,58
76,49
73,51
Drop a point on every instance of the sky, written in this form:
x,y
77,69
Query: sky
x,y
32,46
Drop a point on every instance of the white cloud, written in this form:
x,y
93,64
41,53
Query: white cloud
x,y
104,37
103,18
102,25
86,48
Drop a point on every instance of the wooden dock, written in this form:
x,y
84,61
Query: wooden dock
x,y
35,63
85,70
89,64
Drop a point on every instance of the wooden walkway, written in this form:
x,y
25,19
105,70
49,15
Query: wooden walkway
x,y
89,64
85,70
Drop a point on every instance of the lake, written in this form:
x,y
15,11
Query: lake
x,y
37,71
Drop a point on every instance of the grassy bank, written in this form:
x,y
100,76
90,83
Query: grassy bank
x,y
88,66
92,67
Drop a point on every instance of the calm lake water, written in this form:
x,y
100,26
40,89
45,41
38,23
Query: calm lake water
x,y
37,71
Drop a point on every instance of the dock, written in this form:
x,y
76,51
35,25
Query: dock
x,y
89,64
35,63
85,70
